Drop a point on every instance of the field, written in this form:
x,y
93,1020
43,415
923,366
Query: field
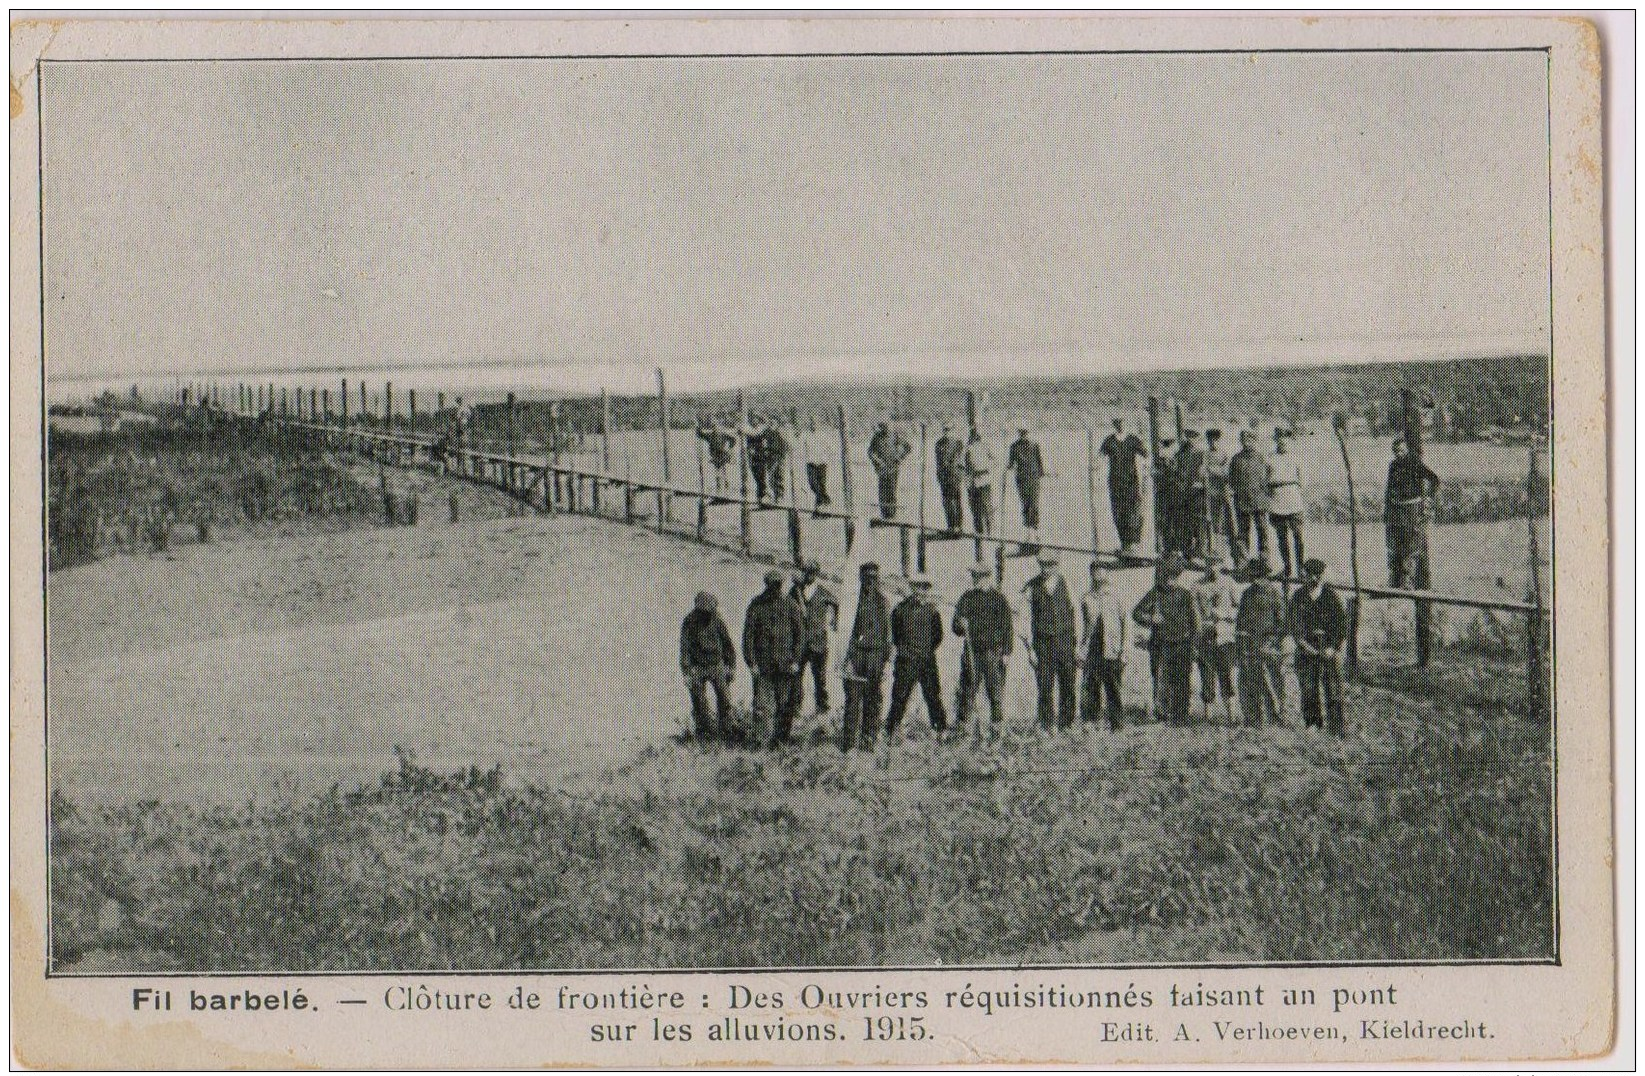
x,y
454,745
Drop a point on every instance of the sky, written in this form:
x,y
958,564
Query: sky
x,y
734,217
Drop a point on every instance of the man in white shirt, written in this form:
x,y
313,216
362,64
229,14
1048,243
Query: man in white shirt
x,y
1105,634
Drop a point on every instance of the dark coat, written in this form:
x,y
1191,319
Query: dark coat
x,y
1409,479
984,616
1262,618
886,451
1320,622
820,608
1051,614
773,633
870,645
705,643
1177,613
1025,459
950,460
1248,474
1122,460
916,632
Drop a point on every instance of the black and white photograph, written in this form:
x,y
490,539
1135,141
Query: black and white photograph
x,y
877,509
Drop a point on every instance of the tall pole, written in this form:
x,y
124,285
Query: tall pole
x,y
1091,483
509,477
605,431
1419,576
663,500
920,545
743,517
1535,686
847,494
342,406
313,404
1154,466
1341,426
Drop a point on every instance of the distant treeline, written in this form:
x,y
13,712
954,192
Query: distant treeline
x,y
1466,397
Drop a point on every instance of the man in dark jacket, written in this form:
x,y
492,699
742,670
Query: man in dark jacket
x,y
822,616
1259,636
1248,475
775,455
707,658
951,477
916,632
1319,624
886,451
1051,616
1190,485
1026,462
1124,484
1410,492
865,658
1169,614
773,639
982,617
754,448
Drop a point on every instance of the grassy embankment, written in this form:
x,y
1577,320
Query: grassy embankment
x,y
1425,835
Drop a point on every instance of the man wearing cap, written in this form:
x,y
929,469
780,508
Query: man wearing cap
x,y
1028,465
774,451
1248,475
1169,614
754,449
1167,498
886,451
1259,634
916,632
1285,507
822,616
773,640
1219,505
707,658
1106,633
1319,624
865,658
1216,601
1125,485
1410,492
982,618
951,477
979,473
1051,618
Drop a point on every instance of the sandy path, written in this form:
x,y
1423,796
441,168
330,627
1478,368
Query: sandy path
x,y
546,644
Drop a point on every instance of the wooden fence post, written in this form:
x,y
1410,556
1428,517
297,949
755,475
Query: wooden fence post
x,y
744,518
509,477
1354,603
1091,484
1423,614
847,496
1154,468
702,494
1535,686
664,501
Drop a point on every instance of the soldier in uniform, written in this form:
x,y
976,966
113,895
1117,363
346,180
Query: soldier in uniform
x,y
1259,632
773,640
1051,618
822,616
886,451
1169,613
1319,624
707,658
982,618
1248,475
916,632
951,477
865,658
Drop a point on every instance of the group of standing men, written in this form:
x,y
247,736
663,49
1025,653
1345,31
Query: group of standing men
x,y
768,450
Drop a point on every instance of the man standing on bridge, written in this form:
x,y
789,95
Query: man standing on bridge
x,y
1025,461
707,657
951,477
886,451
754,444
1124,485
982,618
979,472
1412,487
773,640
720,443
916,632
1248,475
775,454
865,658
